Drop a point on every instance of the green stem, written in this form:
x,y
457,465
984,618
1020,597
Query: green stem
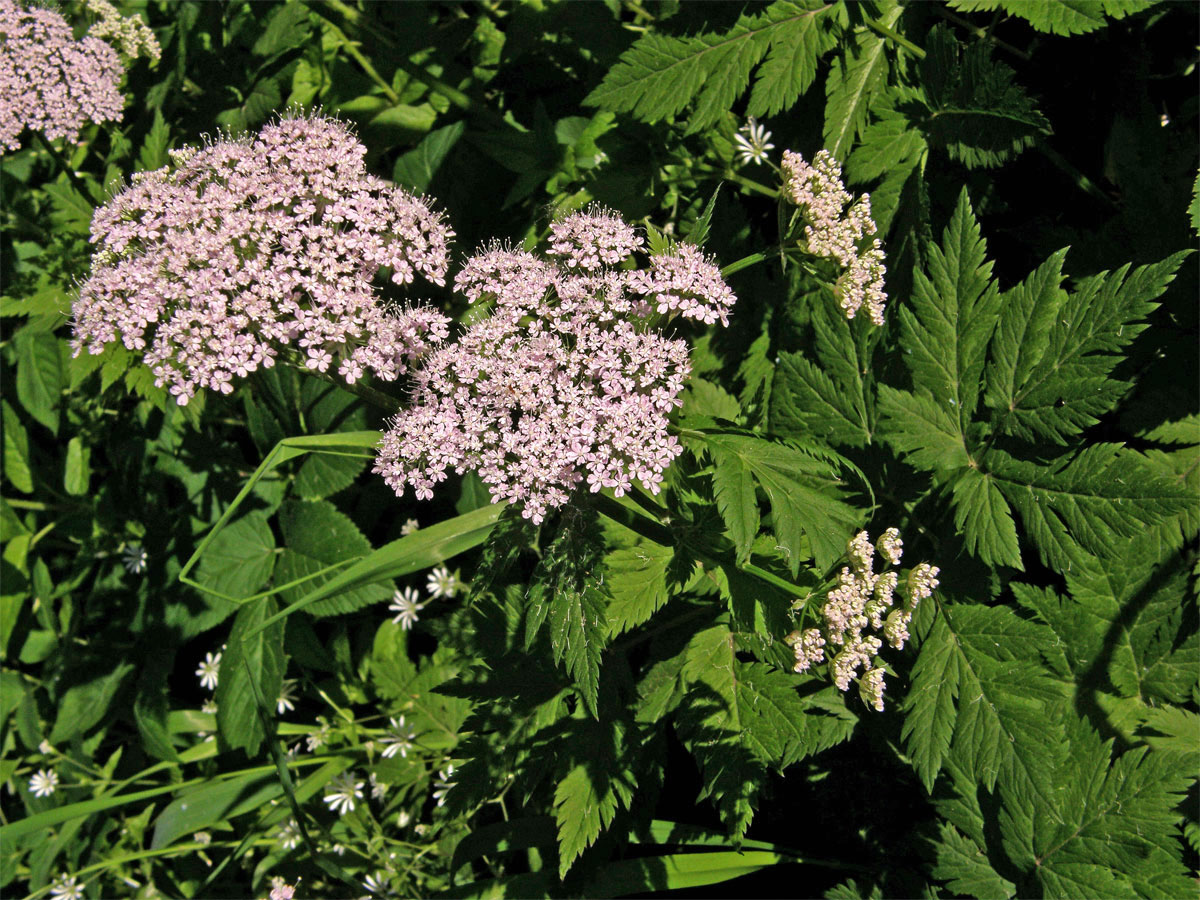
x,y
983,34
896,38
1084,183
64,165
351,47
747,261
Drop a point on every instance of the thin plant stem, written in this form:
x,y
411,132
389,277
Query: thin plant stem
x,y
896,38
63,165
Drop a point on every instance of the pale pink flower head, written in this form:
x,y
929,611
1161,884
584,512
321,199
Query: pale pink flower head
x,y
592,239
50,81
215,264
687,282
564,386
838,229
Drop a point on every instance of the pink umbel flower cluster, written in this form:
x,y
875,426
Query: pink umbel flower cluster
x,y
130,35
51,82
864,602
845,235
250,244
563,384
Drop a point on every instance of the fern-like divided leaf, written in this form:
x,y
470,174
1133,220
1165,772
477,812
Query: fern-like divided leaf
x,y
1054,353
740,718
853,82
594,788
802,485
661,75
1063,17
977,111
979,691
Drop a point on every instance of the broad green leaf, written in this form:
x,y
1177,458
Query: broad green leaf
x,y
587,798
78,471
86,704
1084,503
660,76
40,377
925,434
1063,17
322,474
852,83
287,27
946,328
416,169
678,871
1111,828
984,519
240,559
252,654
153,154
69,209
578,633
636,579
16,450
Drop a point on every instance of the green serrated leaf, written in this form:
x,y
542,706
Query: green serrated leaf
x,y
851,84
925,434
252,653
240,559
806,402
984,519
1083,503
660,76
965,868
636,579
578,633
1065,17
947,327
1054,382
153,153
802,487
287,27
16,450
40,377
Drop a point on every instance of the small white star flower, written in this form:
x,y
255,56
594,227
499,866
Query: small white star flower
x,y
442,583
209,706
43,783
209,671
343,791
66,888
318,737
378,791
409,527
378,884
753,142
289,835
406,606
135,559
399,738
287,697
404,819
202,837
445,781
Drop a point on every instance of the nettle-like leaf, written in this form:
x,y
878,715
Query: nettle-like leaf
x,y
801,484
636,577
965,867
568,596
660,75
946,328
830,398
1065,17
252,654
853,80
1053,353
1084,503
981,692
977,111
740,718
1109,830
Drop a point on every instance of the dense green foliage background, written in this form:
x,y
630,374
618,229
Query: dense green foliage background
x,y
613,690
